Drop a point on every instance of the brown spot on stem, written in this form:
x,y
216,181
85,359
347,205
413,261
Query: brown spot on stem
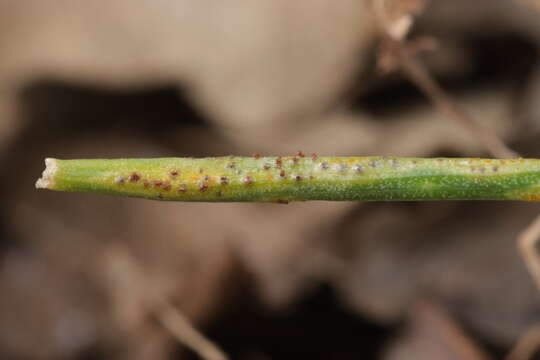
x,y
301,154
203,187
282,174
256,155
174,174
134,177
266,166
157,183
224,180
182,189
295,160
279,162
298,178
146,184
248,180
166,186
314,156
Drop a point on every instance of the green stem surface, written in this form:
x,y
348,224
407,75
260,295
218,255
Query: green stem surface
x,y
299,178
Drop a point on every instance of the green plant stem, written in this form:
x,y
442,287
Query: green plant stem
x,y
299,178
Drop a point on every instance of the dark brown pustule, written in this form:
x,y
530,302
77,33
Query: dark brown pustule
x,y
298,178
266,166
256,155
282,173
279,162
314,156
248,180
174,174
134,177
301,154
295,160
224,180
182,189
146,184
157,183
203,187
166,186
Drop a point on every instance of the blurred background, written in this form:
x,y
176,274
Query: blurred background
x,y
79,273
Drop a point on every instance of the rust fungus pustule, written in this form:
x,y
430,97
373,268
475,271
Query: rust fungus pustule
x,y
301,154
298,178
224,180
248,180
266,166
166,186
256,155
279,162
359,168
282,174
314,156
203,187
182,189
134,177
146,184
174,173
157,183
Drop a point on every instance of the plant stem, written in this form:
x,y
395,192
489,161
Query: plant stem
x,y
299,178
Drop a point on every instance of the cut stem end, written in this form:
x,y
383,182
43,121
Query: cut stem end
x,y
46,180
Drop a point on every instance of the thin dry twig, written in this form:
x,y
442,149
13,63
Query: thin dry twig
x,y
179,326
527,242
527,346
130,282
393,34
